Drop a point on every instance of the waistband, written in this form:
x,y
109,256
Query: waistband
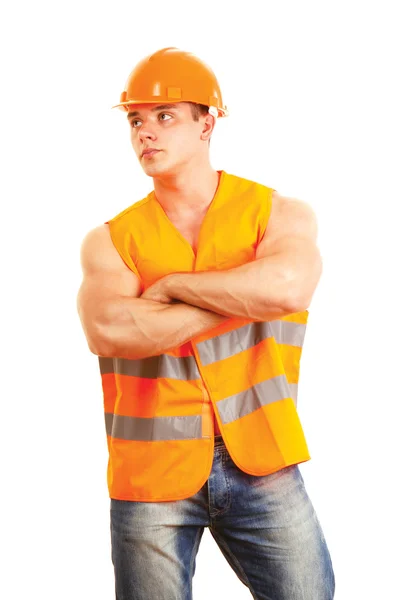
x,y
219,440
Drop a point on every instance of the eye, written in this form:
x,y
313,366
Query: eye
x,y
134,121
165,115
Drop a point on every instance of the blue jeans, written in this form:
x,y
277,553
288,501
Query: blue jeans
x,y
266,528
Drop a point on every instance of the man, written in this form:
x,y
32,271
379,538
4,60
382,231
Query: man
x,y
195,301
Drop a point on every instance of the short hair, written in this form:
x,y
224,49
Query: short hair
x,y
198,110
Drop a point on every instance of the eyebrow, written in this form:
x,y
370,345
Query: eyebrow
x,y
160,107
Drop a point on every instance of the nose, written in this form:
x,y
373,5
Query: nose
x,y
146,131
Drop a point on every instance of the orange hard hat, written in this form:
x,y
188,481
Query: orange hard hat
x,y
169,76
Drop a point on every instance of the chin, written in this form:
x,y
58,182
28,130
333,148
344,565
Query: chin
x,y
159,170
153,170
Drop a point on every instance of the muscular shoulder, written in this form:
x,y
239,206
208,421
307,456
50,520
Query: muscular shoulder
x,y
98,250
291,216
291,220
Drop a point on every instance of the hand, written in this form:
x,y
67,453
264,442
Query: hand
x,y
158,292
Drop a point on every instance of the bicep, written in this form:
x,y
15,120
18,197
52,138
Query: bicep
x,y
106,278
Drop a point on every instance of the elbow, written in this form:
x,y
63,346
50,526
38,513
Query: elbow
x,y
293,304
298,300
107,348
292,297
302,293
97,342
296,305
101,347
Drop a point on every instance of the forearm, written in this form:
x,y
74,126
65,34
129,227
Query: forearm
x,y
256,291
137,328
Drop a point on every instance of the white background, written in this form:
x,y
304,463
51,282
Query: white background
x,y
314,113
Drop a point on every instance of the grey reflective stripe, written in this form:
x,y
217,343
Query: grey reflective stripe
x,y
164,365
235,341
217,348
287,332
293,391
106,365
244,403
153,429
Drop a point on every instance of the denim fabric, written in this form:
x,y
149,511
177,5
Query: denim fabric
x,y
266,527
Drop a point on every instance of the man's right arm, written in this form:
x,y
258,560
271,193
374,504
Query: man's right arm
x,y
116,322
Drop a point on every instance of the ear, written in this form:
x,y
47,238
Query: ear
x,y
208,127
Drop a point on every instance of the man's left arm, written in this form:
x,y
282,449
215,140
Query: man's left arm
x,y
280,281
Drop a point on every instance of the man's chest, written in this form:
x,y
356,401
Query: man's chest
x,y
189,230
223,239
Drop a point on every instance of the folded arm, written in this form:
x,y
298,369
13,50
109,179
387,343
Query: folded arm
x,y
115,321
280,281
135,328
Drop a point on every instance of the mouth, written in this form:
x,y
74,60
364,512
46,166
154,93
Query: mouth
x,y
149,152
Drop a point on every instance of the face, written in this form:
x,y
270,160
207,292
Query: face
x,y
172,131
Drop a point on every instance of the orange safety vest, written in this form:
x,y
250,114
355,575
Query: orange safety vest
x,y
159,410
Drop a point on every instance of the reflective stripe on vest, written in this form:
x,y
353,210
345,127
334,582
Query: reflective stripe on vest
x,y
156,428
185,368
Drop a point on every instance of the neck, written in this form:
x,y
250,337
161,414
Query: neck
x,y
188,193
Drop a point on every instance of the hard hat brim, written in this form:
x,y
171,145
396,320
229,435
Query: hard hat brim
x,y
222,112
